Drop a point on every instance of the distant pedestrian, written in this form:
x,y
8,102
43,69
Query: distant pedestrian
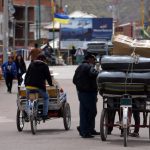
x,y
9,72
79,54
34,52
85,81
72,52
21,67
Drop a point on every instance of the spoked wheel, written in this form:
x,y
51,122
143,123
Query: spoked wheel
x,y
33,122
67,116
20,120
104,124
33,118
149,126
125,125
125,134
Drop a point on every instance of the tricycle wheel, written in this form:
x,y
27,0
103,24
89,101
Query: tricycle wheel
x,y
104,124
149,126
125,134
66,116
20,120
33,122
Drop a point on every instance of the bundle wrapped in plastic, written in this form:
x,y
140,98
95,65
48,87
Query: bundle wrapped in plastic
x,y
125,63
119,83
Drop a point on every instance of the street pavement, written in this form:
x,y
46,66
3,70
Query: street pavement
x,y
51,135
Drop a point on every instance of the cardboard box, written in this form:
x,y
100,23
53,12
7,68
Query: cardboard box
x,y
124,45
52,91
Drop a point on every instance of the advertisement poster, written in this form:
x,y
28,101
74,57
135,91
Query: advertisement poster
x,y
81,31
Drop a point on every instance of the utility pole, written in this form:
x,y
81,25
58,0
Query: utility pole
x,y
26,24
39,12
53,11
5,30
38,19
142,13
14,34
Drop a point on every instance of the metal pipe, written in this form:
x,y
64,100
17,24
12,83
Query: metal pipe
x,y
39,18
5,30
52,1
142,13
14,34
26,24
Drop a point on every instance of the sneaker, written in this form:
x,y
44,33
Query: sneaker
x,y
121,135
78,128
25,116
95,133
108,132
45,117
134,134
87,136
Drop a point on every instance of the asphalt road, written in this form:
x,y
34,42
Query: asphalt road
x,y
51,135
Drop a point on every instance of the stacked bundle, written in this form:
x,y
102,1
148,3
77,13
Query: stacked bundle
x,y
124,74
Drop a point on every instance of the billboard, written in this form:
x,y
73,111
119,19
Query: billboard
x,y
81,31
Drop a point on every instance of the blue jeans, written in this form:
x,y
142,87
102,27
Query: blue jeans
x,y
88,111
45,96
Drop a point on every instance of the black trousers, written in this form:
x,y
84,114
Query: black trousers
x,y
19,78
88,111
136,114
9,81
113,105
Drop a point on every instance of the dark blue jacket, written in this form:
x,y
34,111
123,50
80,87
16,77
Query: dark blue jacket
x,y
37,73
13,70
85,78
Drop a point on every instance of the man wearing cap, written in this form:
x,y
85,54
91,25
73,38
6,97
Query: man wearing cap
x,y
85,81
37,73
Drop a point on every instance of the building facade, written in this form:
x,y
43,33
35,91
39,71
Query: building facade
x,y
25,22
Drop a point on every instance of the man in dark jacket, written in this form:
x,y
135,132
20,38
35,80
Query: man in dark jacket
x,y
85,81
36,76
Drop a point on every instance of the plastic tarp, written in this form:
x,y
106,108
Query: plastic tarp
x,y
125,63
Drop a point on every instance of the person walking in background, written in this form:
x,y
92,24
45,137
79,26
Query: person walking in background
x,y
21,67
34,52
85,81
9,72
79,54
72,52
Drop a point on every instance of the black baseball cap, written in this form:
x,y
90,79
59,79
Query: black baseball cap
x,y
89,56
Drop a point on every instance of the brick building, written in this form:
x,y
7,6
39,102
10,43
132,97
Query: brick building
x,y
39,14
26,24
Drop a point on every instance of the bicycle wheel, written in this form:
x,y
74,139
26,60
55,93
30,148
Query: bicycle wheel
x,y
33,119
125,125
20,120
149,126
125,134
33,122
67,116
104,124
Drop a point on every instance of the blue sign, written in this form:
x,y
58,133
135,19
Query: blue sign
x,y
81,31
87,29
102,29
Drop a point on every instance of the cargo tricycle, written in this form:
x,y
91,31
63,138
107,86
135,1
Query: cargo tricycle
x,y
29,110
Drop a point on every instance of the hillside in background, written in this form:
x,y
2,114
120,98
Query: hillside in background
x,y
126,10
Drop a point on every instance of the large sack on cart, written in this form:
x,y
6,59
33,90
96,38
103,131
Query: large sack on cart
x,y
125,63
123,77
119,83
